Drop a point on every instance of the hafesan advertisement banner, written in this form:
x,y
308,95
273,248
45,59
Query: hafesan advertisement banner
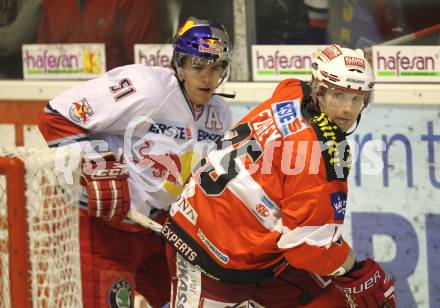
x,y
390,63
153,54
63,61
406,63
278,62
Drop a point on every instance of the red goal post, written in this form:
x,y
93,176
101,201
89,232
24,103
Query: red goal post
x,y
39,241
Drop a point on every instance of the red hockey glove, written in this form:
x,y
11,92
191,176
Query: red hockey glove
x,y
368,286
106,183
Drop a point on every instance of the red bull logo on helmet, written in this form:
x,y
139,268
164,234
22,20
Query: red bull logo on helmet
x,y
211,46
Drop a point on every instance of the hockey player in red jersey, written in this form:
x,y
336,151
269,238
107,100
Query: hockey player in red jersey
x,y
155,117
259,222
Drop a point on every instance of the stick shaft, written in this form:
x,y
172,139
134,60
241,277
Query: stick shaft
x,y
412,36
144,221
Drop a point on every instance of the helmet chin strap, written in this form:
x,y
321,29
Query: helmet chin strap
x,y
357,120
357,123
224,95
227,95
181,80
191,106
188,99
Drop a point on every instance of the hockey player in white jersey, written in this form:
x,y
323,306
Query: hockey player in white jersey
x,y
157,118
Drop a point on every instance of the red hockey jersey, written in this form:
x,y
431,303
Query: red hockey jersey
x,y
274,190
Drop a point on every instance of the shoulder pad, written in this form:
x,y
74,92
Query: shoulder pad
x,y
288,89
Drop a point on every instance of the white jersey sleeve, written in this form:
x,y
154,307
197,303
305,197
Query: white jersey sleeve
x,y
108,103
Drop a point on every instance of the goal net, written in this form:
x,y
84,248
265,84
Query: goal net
x,y
39,248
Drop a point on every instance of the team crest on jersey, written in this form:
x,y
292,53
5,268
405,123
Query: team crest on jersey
x,y
80,111
262,210
288,117
120,295
339,202
265,208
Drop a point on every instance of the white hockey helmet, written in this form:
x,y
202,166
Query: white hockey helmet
x,y
345,68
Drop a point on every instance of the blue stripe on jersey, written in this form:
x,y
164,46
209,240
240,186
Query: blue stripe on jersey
x,y
68,140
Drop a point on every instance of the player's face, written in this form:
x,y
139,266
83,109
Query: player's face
x,y
343,106
201,79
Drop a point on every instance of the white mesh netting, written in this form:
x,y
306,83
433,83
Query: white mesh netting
x,y
51,204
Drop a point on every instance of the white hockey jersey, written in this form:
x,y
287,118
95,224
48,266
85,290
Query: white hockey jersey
x,y
141,112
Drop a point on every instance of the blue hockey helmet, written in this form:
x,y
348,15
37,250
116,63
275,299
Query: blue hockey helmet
x,y
204,40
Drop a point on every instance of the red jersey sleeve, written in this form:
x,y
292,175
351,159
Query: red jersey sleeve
x,y
56,129
315,193
311,232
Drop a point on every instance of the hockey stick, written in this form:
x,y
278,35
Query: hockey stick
x,y
409,37
144,221
412,36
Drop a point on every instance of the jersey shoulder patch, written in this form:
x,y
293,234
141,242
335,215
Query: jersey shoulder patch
x,y
288,117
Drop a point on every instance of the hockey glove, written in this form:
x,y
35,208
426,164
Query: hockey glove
x,y
105,181
367,286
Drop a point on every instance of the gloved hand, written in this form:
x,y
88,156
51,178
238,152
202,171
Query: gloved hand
x,y
106,183
367,286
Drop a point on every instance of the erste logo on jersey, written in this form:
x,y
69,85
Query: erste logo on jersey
x,y
339,202
206,135
173,130
80,111
288,117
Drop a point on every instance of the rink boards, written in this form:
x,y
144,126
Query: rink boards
x,y
393,210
